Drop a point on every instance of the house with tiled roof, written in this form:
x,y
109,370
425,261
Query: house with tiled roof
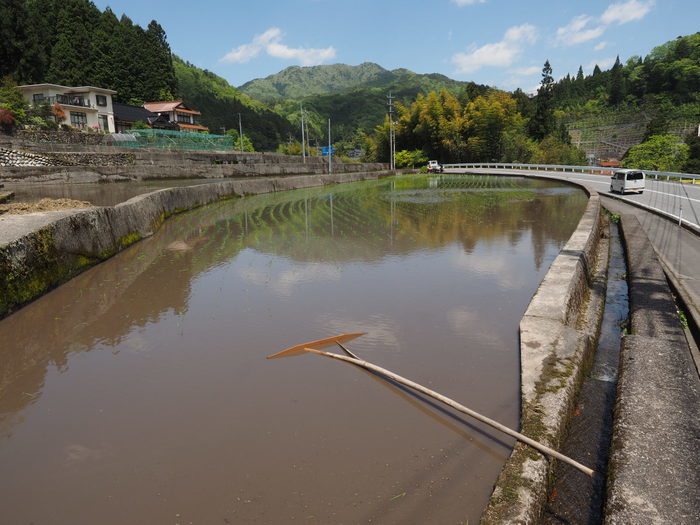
x,y
177,112
126,115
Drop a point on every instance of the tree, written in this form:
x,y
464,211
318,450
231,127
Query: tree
x,y
617,91
74,26
553,151
658,125
7,121
12,100
659,153
692,165
161,83
409,159
19,49
542,122
235,139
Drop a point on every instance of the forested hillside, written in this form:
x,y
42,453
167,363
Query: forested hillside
x,y
668,77
353,97
299,82
71,42
610,111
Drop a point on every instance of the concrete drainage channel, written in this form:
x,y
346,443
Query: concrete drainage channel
x,y
558,335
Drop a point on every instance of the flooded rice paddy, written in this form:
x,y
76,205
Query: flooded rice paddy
x,y
139,391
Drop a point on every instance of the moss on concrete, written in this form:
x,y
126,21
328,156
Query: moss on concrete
x,y
42,270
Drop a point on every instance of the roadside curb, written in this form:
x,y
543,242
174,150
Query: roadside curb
x,y
652,475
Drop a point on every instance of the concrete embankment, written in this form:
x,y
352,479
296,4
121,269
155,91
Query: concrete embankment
x,y
653,473
25,162
41,250
84,174
557,338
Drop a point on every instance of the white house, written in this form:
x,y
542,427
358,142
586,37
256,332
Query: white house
x,y
84,106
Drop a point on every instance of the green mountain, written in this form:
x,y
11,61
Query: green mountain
x,y
298,82
303,82
220,104
353,97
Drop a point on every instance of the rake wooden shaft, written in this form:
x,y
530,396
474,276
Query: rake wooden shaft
x,y
457,406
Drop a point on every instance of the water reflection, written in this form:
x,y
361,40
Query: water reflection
x,y
165,343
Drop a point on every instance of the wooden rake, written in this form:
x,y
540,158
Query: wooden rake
x,y
315,347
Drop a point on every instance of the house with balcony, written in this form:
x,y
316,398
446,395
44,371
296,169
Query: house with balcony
x,y
177,112
84,106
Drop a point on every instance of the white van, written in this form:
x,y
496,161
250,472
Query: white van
x,y
627,180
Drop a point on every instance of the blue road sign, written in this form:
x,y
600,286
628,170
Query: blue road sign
x,y
327,150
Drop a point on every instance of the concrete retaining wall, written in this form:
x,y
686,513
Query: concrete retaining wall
x,y
41,250
557,337
653,475
79,174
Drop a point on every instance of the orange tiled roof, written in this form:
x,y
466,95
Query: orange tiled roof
x,y
172,105
192,127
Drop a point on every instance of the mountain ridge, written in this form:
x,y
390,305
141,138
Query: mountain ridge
x,y
299,82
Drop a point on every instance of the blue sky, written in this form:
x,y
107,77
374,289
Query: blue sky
x,y
502,43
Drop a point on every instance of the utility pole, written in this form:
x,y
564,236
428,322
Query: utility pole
x,y
240,131
330,150
303,141
392,137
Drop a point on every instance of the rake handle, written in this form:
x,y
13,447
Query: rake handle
x,y
457,406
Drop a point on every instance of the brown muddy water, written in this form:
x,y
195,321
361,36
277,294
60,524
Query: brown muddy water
x,y
139,391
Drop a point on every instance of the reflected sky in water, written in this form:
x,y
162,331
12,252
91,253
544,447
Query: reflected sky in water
x,y
140,392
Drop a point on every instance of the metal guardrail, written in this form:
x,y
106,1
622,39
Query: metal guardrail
x,y
595,170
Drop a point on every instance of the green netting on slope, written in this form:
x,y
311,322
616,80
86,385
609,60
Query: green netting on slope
x,y
166,139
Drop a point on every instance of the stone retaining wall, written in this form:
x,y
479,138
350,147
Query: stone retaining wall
x,y
40,251
60,136
10,157
23,159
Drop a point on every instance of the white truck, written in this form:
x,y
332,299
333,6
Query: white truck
x,y
434,167
627,180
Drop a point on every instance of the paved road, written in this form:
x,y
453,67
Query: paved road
x,y
672,198
678,248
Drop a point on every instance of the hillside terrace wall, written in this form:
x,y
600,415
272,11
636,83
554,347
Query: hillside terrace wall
x,y
82,174
16,157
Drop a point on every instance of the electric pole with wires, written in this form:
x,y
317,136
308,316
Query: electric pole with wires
x,y
392,134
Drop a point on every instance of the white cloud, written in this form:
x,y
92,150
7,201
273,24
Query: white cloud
x,y
306,57
526,33
600,46
284,281
462,3
246,52
626,12
578,31
602,64
528,70
270,42
498,54
583,28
